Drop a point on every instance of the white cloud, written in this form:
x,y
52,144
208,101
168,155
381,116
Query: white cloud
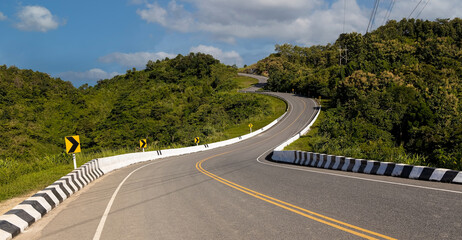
x,y
2,16
301,21
138,59
174,17
36,18
228,58
90,76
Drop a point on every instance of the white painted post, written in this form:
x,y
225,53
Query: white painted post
x,y
75,162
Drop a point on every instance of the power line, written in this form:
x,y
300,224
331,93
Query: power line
x,y
388,13
374,12
422,9
343,52
344,12
415,8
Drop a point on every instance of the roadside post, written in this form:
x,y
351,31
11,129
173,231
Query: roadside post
x,y
143,144
73,146
250,126
197,140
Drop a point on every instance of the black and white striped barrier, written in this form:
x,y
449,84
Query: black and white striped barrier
x,y
32,209
367,166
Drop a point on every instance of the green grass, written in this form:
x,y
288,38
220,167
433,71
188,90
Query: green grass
x,y
245,82
33,181
50,169
279,107
305,142
20,178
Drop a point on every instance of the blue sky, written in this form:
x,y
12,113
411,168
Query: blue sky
x,y
84,41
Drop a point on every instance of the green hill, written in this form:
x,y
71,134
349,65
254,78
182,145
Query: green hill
x,y
397,98
169,103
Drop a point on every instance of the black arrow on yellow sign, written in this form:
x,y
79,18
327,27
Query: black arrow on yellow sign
x,y
143,143
72,144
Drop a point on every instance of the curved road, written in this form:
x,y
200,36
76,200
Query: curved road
x,y
234,193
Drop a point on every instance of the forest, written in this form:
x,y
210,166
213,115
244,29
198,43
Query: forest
x,y
169,103
395,95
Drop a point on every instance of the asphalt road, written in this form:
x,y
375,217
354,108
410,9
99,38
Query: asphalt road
x,y
234,193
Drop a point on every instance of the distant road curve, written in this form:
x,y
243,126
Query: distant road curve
x,y
262,81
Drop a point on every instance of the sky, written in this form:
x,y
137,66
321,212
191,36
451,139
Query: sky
x,y
87,40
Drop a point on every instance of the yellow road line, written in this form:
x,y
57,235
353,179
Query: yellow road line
x,y
290,207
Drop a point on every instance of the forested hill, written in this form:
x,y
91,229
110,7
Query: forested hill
x,y
169,103
397,98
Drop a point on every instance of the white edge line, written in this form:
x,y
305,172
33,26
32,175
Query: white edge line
x,y
99,230
346,176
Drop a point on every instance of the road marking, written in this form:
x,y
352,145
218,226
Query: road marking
x,y
99,229
290,207
353,177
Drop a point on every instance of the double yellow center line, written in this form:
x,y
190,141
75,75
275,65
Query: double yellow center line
x,y
361,232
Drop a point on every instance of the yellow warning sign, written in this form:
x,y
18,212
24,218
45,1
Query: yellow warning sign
x,y
72,144
143,143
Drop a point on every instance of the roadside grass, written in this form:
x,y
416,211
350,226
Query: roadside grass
x,y
305,142
245,82
278,106
40,173
33,181
24,177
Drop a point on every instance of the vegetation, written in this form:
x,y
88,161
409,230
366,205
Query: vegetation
x,y
398,98
169,103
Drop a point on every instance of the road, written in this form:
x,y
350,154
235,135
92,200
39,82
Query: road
x,y
261,81
234,193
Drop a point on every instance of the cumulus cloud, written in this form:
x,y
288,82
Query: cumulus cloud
x,y
301,21
36,18
138,59
174,16
90,76
228,58
2,16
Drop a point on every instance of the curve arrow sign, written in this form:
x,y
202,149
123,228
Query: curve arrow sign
x,y
72,144
143,143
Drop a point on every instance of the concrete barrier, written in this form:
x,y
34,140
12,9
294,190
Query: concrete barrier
x,y
368,166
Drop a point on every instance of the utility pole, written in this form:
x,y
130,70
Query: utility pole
x,y
343,57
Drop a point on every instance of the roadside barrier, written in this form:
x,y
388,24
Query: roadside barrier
x,y
367,166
